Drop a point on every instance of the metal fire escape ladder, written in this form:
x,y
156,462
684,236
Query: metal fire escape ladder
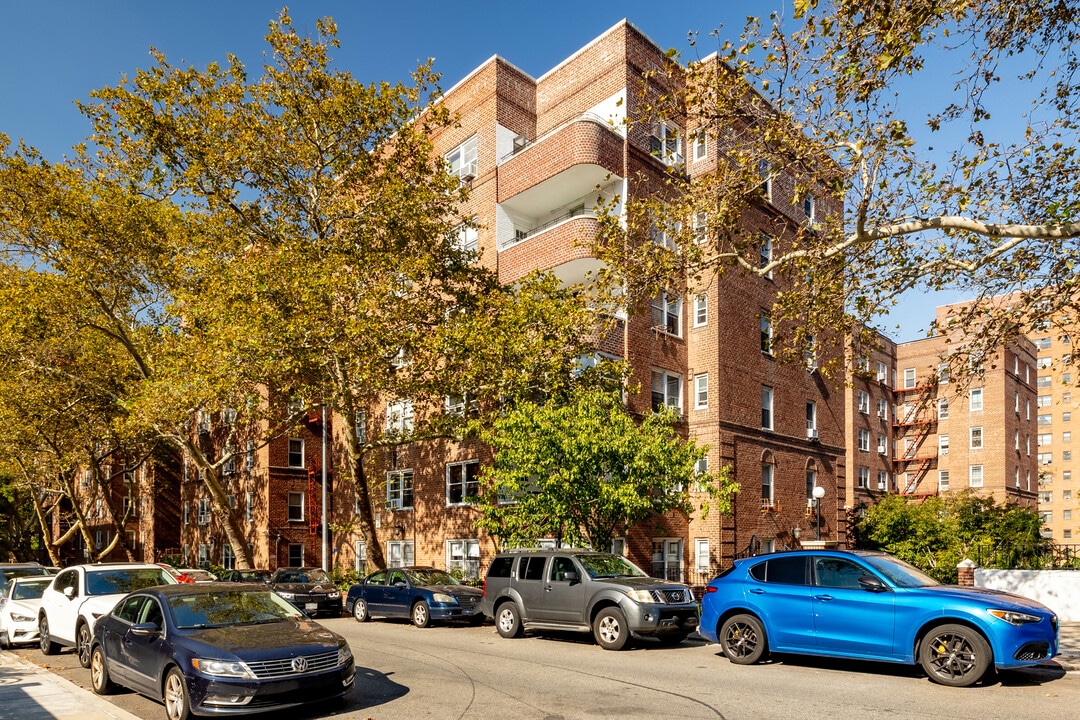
x,y
924,422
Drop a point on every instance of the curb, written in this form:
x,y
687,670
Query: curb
x,y
75,702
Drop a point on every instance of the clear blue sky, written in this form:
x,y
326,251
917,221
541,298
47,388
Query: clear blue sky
x,y
56,51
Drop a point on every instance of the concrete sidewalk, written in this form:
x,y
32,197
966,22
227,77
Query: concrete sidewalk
x,y
28,692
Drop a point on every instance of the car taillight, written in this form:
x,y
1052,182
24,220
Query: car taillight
x,y
482,594
709,589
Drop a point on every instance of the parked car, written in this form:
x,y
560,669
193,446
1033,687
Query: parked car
x,y
308,588
585,591
79,595
262,576
19,610
177,574
9,571
198,575
422,594
872,606
218,649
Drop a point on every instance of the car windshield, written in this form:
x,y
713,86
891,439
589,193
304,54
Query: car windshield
x,y
29,589
8,575
219,609
609,566
306,576
431,577
123,581
899,572
253,575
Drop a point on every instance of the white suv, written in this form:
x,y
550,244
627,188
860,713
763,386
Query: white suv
x,y
79,595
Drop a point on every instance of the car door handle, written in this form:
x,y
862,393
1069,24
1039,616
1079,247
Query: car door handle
x,y
757,591
823,598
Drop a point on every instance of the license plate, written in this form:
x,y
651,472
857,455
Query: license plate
x,y
311,606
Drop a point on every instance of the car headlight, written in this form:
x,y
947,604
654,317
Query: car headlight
x,y
641,596
222,668
444,598
343,654
1013,617
17,617
334,595
286,595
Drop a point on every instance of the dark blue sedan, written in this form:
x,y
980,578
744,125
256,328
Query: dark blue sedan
x,y
422,594
218,648
872,606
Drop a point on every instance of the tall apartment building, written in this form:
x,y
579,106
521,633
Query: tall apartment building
x,y
871,422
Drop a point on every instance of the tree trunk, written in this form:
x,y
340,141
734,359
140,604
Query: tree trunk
x,y
220,502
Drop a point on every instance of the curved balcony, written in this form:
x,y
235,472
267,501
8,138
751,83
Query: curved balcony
x,y
562,248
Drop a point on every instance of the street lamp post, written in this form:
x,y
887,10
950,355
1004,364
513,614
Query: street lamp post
x,y
818,492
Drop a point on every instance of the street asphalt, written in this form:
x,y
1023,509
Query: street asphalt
x,y
29,692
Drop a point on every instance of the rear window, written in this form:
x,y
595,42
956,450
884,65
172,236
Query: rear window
x,y
500,567
782,571
531,568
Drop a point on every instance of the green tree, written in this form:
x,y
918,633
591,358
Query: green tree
x,y
580,468
975,189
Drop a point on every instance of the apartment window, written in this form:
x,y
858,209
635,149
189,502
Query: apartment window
x,y
466,239
229,466
1045,419
882,445
701,310
701,555
462,482
1016,403
249,507
766,334
976,438
1045,458
1066,475
701,391
864,402
1066,417
1027,409
1066,534
766,408
1042,343
666,144
765,254
361,427
296,507
882,372
130,507
296,452
296,555
1066,455
1016,440
943,408
458,404
943,444
809,206
1066,397
811,419
766,485
909,378
765,173
943,480
1043,363
864,477
400,553
399,417
975,476
399,489
186,513
1066,495
864,440
701,148
1044,401
1043,381
203,517
203,555
249,455
1066,437
975,401
1046,496
1044,439
464,556
666,390
882,409
943,373
811,353
882,480
811,483
203,419
463,159
666,312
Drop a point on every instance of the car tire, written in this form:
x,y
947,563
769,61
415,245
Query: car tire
x,y
742,638
175,696
359,611
421,614
4,645
508,620
99,672
48,647
82,644
955,655
610,629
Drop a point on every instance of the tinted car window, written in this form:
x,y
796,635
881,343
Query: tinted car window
x,y
532,568
782,570
559,568
69,579
152,613
397,577
111,582
837,573
129,609
500,567
378,578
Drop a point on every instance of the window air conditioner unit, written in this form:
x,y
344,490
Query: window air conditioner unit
x,y
520,142
811,434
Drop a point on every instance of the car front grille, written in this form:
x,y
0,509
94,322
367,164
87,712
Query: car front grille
x,y
674,597
467,600
283,667
1032,651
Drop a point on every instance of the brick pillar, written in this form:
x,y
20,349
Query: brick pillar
x,y
965,571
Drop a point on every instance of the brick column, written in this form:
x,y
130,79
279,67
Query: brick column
x,y
965,571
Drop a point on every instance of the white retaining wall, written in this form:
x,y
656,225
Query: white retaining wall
x,y
1058,590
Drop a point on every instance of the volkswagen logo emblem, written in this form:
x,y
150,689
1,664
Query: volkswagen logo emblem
x,y
299,664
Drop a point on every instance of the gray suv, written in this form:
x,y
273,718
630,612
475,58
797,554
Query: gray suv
x,y
585,591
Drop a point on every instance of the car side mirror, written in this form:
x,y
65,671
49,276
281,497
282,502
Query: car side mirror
x,y
69,592
872,584
145,629
399,585
571,576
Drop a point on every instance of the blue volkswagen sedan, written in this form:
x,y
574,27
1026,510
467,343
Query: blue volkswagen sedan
x,y
422,594
218,648
871,606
